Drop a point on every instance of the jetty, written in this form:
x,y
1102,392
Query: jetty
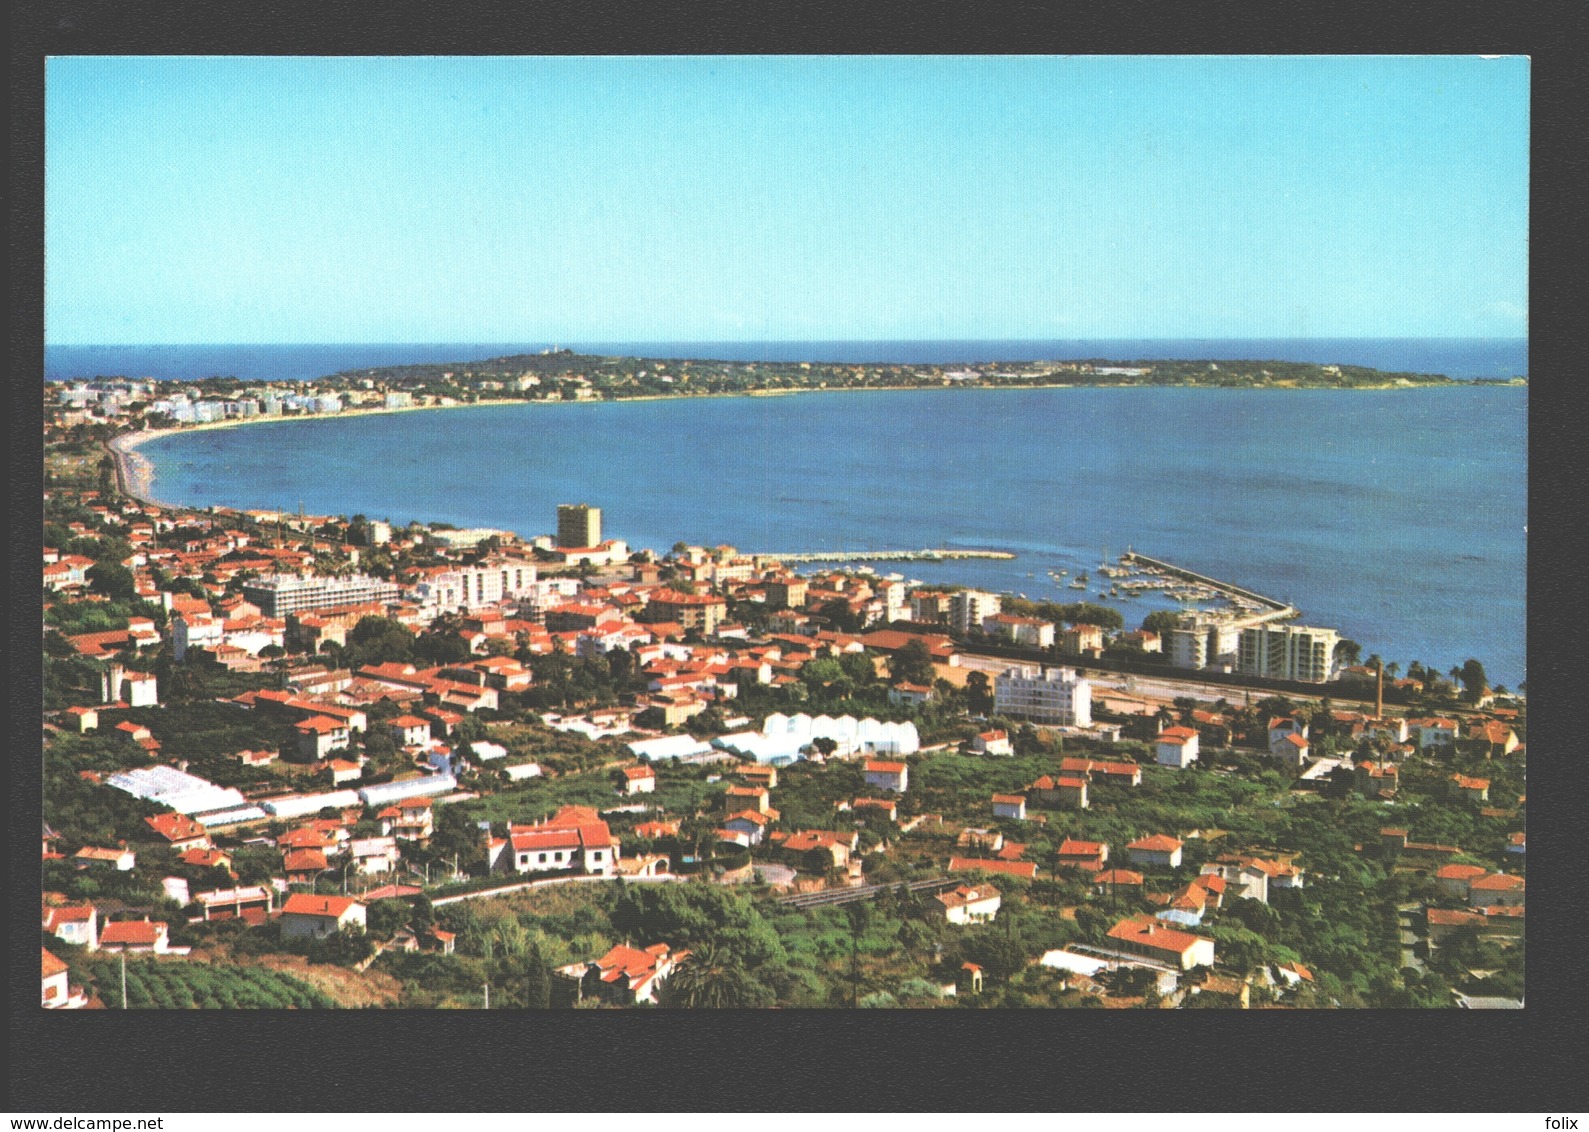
x,y
1268,608
928,555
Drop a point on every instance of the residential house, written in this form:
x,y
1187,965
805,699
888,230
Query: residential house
x,y
912,695
1470,789
305,916
887,775
180,832
989,839
1012,806
1157,850
573,839
887,806
151,936
1071,792
625,976
56,991
1291,750
411,819
302,866
1146,936
409,730
747,797
319,735
1503,889
1454,879
1088,856
750,823
1177,747
121,858
1109,881
994,742
837,846
993,865
372,855
251,903
72,923
639,780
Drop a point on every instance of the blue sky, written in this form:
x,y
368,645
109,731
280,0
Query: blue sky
x,y
239,199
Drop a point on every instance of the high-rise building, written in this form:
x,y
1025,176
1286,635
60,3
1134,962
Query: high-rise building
x,y
1288,652
578,524
969,608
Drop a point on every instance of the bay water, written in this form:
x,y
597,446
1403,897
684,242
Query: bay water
x,y
1396,517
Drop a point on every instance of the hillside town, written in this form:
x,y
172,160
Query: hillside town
x,y
314,760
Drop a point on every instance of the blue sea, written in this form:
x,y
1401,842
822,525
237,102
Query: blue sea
x,y
1396,517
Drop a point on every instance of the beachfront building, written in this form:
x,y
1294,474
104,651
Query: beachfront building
x,y
277,595
1288,652
1043,695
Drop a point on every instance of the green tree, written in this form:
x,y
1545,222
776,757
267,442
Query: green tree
x,y
537,979
912,664
979,695
1474,681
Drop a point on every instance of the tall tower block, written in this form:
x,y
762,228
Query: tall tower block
x,y
578,524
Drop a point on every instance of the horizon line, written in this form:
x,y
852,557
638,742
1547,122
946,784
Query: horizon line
x,y
804,341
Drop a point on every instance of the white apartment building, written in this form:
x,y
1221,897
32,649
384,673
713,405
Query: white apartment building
x,y
969,608
277,595
1288,652
1043,695
470,587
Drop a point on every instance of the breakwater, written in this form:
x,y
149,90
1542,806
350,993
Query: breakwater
x,y
886,555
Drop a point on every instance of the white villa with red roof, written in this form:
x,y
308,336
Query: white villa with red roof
x,y
1148,937
1177,747
575,839
305,916
639,780
969,904
887,775
1156,849
994,742
135,935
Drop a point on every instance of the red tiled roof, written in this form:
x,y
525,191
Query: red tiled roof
x,y
175,827
1013,868
1149,932
131,933
304,904
1157,843
1118,876
304,860
1069,848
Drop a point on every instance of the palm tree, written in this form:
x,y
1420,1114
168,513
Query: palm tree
x,y
709,976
